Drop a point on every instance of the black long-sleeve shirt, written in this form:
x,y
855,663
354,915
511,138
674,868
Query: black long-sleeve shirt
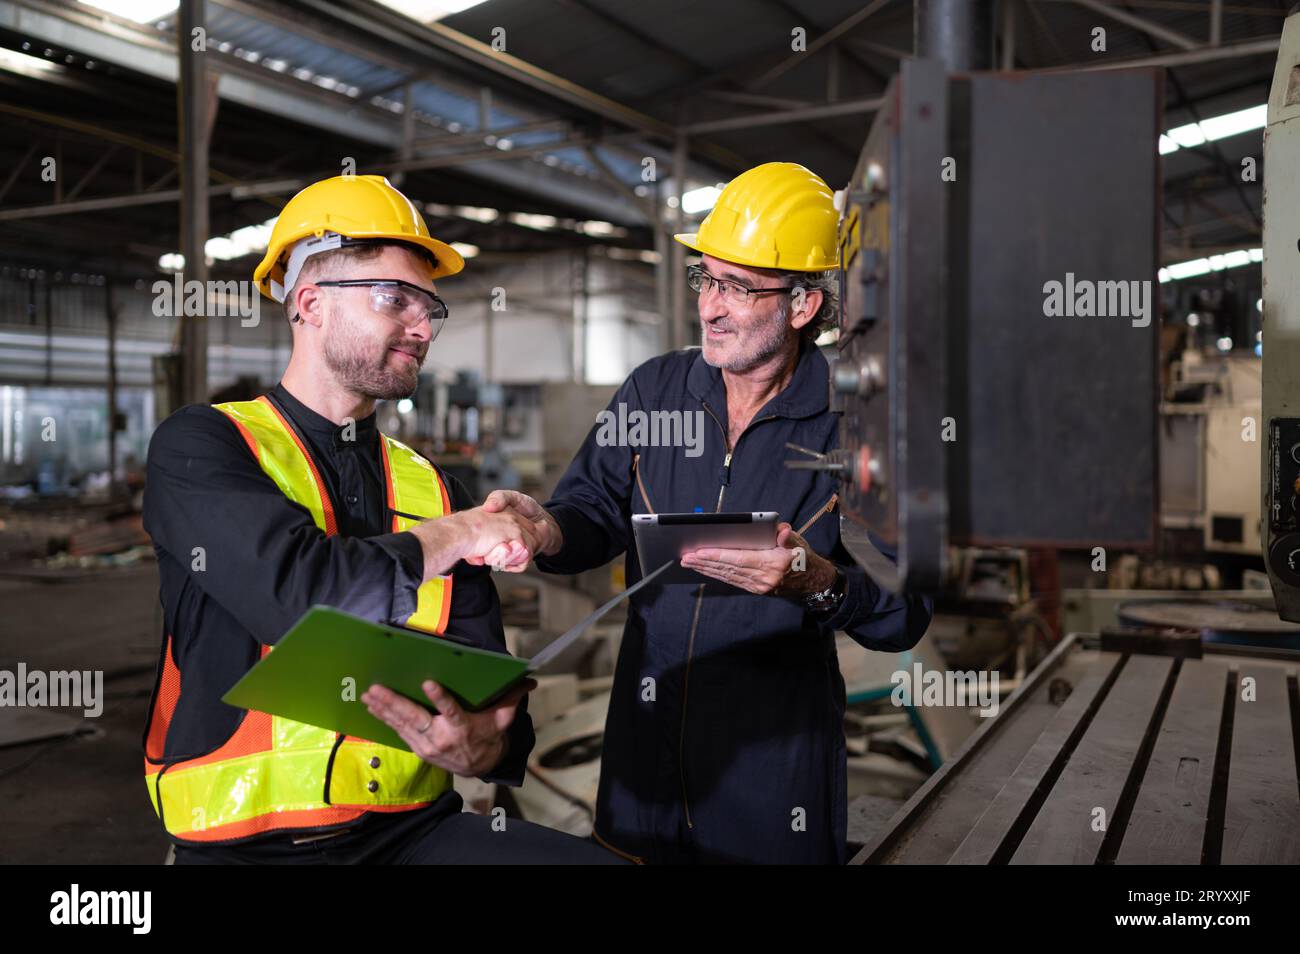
x,y
239,562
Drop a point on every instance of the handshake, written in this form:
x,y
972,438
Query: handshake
x,y
507,532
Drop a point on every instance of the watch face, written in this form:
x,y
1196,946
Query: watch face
x,y
830,597
823,600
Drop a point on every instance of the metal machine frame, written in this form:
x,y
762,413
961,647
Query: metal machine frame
x,y
955,426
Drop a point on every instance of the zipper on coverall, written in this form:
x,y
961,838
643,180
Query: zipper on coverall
x,y
724,479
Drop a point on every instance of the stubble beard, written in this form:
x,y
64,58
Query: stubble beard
x,y
761,345
346,355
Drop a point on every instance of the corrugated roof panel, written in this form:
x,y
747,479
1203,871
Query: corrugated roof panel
x,y
272,42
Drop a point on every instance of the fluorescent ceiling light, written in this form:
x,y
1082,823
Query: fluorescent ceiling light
x,y
26,64
1216,127
475,213
426,11
1214,263
599,228
141,11
241,242
466,249
532,220
697,200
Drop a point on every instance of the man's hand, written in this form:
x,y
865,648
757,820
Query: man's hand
x,y
464,743
504,539
512,501
771,571
477,536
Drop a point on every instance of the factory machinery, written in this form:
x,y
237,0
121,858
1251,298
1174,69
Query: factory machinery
x,y
998,385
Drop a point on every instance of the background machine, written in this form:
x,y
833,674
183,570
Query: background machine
x,y
998,381
987,339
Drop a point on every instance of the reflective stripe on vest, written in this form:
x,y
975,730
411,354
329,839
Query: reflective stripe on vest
x,y
275,773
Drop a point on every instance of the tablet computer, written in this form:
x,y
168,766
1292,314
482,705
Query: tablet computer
x,y
661,537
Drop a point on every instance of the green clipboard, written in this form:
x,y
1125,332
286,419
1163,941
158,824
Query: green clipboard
x,y
329,658
307,677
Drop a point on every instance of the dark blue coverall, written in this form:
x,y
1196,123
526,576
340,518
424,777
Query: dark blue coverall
x,y
735,751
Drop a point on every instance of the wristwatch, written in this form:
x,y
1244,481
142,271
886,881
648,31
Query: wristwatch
x,y
828,600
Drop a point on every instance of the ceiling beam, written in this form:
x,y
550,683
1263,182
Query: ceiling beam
x,y
835,47
1263,46
94,170
848,108
645,203
1198,6
282,96
17,170
757,99
879,49
240,191
790,62
376,19
1140,23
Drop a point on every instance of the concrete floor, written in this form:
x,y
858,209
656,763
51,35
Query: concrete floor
x,y
82,800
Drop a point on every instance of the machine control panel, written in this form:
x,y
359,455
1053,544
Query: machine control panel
x,y
1284,498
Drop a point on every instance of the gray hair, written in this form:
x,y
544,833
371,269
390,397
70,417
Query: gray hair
x,y
828,283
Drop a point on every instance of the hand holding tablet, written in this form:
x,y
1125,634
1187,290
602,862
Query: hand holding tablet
x,y
661,537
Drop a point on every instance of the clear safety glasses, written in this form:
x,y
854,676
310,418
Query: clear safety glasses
x,y
401,301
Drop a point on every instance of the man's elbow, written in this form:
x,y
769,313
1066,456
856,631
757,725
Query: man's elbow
x,y
898,630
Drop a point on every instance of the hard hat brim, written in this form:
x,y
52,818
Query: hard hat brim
x,y
692,241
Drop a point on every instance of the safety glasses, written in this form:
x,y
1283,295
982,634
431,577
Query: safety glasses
x,y
399,301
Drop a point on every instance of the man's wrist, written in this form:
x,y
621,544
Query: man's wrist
x,y
827,600
444,541
817,576
493,759
554,535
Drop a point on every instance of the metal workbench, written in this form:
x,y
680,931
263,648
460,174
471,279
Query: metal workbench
x,y
1124,749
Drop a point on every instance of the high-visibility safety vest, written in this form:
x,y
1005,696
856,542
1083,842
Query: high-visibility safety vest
x,y
275,773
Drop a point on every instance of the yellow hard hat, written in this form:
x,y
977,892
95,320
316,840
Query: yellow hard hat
x,y
355,207
777,215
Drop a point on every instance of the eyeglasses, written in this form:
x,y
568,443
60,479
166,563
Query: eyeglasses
x,y
734,293
400,301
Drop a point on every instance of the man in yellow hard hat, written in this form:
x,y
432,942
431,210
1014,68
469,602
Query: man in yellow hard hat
x,y
724,740
260,509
